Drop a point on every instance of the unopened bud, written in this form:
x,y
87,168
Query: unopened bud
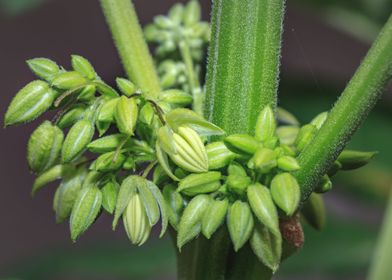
x,y
266,124
126,86
351,159
240,223
242,143
83,66
319,120
68,80
125,114
195,184
305,135
218,155
314,211
264,160
43,67
238,183
288,163
285,192
217,210
324,185
287,134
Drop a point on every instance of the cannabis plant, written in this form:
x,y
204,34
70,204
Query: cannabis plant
x,y
231,176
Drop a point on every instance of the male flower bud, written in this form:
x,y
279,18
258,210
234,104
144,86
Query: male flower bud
x,y
264,160
263,207
305,135
265,125
87,93
106,112
218,155
240,223
241,144
136,221
125,114
288,163
68,80
237,183
314,211
43,67
210,223
192,13
335,167
126,86
77,139
83,66
44,147
236,169
287,134
351,159
285,192
29,103
195,184
175,204
319,120
324,185
109,162
190,152
176,97
286,118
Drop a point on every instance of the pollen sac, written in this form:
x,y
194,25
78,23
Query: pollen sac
x,y
190,152
136,221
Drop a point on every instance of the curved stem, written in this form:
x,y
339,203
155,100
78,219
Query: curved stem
x,y
353,106
193,80
243,66
132,48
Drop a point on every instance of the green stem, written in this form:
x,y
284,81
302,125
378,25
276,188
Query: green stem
x,y
356,101
243,68
193,80
381,268
132,48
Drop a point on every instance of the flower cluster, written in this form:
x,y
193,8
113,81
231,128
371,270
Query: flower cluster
x,y
145,160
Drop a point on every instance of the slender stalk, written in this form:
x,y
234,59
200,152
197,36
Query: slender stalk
x,y
243,66
193,80
381,268
351,109
132,48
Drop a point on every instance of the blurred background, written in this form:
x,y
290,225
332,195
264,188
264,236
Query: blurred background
x,y
324,42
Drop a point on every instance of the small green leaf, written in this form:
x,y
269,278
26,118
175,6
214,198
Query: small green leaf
x,y
77,139
240,223
267,246
83,66
85,210
190,222
29,103
162,205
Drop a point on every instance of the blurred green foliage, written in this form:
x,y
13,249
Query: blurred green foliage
x,y
17,7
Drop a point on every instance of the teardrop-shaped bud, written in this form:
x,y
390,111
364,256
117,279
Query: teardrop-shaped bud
x,y
319,120
166,140
147,114
126,86
218,155
191,154
285,192
325,185
242,144
107,143
238,183
77,139
71,116
351,159
239,223
83,67
66,195
210,223
175,13
305,135
192,13
106,112
175,204
287,134
176,97
265,125
43,67
68,80
29,103
135,221
85,210
236,169
287,163
286,118
125,115
87,93
264,160
313,211
263,207
335,168
44,147
109,195
190,223
110,161
267,246
195,184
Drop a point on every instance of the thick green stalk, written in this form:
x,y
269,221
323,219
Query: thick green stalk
x,y
381,268
132,48
353,106
243,66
